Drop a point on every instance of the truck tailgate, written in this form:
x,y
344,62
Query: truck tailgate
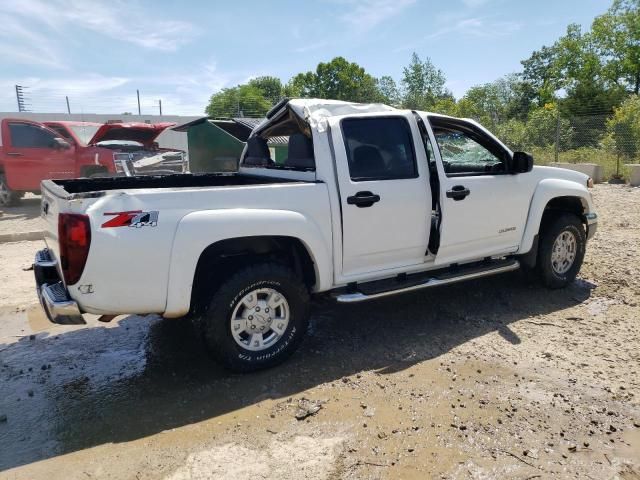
x,y
55,200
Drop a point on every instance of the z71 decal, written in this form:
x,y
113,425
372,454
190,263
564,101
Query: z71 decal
x,y
132,218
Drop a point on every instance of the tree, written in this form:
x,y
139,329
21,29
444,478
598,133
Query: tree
x,y
422,84
496,102
616,36
624,128
540,72
240,101
389,92
338,79
543,128
271,88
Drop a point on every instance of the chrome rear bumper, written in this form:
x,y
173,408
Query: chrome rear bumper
x,y
52,293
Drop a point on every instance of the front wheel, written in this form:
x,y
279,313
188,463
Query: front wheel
x,y
561,250
257,318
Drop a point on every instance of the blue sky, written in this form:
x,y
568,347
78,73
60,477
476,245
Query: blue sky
x,y
99,52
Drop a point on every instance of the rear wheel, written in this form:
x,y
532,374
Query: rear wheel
x,y
7,196
257,318
561,250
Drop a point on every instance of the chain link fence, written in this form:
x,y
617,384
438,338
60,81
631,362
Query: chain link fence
x,y
559,138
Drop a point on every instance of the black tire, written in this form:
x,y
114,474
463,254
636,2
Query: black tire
x,y
216,324
552,227
8,197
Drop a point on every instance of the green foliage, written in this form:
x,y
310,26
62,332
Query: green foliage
x,y
542,127
240,101
271,87
513,133
422,84
616,36
338,80
623,129
389,92
497,102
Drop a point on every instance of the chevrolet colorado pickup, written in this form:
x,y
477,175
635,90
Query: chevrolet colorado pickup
x,y
371,201
31,152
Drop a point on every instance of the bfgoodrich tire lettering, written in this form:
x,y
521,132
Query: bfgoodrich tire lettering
x,y
261,280
559,232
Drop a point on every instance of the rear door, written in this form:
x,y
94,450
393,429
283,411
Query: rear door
x,y
32,156
384,193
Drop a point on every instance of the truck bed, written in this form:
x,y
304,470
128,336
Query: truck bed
x,y
85,185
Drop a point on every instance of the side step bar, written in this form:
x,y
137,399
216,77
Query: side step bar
x,y
434,281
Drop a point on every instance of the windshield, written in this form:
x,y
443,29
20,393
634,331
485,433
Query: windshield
x,y
84,132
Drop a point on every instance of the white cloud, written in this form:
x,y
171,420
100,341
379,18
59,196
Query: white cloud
x,y
478,27
25,46
474,3
365,15
116,19
310,47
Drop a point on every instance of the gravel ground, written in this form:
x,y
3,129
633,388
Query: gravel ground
x,y
25,217
495,378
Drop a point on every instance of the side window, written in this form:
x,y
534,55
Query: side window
x,y
461,154
62,132
379,148
24,135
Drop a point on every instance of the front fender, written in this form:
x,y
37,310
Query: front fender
x,y
196,231
547,190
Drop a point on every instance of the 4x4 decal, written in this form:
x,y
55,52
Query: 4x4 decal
x,y
132,218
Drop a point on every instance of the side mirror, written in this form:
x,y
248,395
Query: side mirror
x,y
61,144
522,162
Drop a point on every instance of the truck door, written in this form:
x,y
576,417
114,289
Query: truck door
x,y
484,207
384,193
32,155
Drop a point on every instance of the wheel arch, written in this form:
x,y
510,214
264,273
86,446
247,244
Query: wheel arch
x,y
553,195
229,237
222,258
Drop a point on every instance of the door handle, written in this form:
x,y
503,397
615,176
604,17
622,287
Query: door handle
x,y
15,154
458,192
363,199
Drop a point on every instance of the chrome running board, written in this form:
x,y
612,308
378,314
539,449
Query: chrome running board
x,y
432,282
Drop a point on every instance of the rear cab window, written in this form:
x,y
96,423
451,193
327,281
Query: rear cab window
x,y
379,148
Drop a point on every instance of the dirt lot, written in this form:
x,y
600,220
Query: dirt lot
x,y
496,378
23,218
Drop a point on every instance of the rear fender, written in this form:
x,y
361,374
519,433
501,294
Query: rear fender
x,y
196,231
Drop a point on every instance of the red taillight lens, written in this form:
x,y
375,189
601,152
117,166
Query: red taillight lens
x,y
74,235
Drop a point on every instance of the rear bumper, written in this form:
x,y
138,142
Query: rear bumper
x,y
52,293
592,224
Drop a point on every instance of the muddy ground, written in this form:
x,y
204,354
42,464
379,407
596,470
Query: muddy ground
x,y
496,378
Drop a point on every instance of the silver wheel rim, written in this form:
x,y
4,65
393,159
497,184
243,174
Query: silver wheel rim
x,y
260,319
5,194
564,252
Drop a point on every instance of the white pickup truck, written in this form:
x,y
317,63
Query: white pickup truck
x,y
371,201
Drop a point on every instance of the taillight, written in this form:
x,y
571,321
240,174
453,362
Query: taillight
x,y
74,235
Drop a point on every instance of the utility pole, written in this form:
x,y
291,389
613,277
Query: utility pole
x,y
68,107
138,93
22,104
160,105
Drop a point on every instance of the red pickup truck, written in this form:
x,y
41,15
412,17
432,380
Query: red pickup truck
x,y
31,152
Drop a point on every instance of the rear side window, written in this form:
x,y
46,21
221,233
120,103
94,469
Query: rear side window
x,y
379,148
24,135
